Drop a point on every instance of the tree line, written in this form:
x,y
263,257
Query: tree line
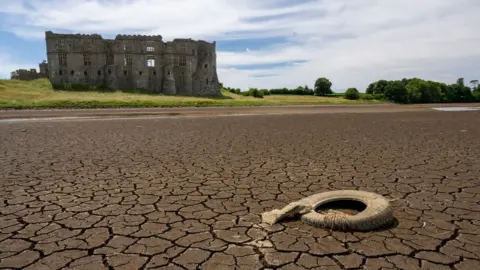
x,y
421,91
255,92
406,91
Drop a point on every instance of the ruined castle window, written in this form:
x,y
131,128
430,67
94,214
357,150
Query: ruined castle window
x,y
61,43
140,73
99,73
109,71
168,73
109,60
62,59
72,72
87,60
205,66
150,61
85,73
154,73
87,41
182,61
193,51
125,72
206,80
128,60
150,48
127,47
182,47
60,72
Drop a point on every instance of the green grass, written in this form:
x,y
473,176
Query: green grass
x,y
16,94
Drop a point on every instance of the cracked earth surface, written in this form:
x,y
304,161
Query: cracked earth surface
x,y
187,193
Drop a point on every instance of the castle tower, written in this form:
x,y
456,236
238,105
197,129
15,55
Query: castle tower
x,y
205,77
43,67
168,77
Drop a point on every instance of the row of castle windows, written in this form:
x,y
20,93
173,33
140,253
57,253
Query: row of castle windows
x,y
99,73
181,47
180,61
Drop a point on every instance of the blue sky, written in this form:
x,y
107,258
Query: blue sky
x,y
272,43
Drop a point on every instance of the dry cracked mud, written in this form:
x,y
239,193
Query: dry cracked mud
x,y
187,193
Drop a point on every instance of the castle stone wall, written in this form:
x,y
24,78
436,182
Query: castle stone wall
x,y
182,66
31,74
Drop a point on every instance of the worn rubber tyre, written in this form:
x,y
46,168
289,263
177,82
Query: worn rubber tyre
x,y
377,214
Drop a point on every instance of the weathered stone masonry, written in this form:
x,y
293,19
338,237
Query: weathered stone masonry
x,y
31,74
180,67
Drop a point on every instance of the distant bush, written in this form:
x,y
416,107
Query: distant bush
x,y
372,97
253,92
265,92
352,94
476,94
232,90
235,91
335,95
297,91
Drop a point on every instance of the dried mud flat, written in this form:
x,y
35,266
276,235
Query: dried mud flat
x,y
187,193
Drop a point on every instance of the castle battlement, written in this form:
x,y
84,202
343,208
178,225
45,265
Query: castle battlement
x,y
30,74
139,37
50,34
184,40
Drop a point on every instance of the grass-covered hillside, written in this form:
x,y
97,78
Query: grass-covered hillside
x,y
40,94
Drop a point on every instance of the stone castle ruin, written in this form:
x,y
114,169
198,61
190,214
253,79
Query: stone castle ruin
x,y
32,74
179,67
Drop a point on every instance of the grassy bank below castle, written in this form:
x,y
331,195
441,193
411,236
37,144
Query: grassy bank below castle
x,y
40,94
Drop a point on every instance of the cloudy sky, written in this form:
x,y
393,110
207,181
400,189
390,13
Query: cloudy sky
x,y
272,43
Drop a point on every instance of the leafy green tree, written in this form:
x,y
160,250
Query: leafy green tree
x,y
380,87
352,94
370,88
265,92
474,84
323,87
476,94
420,91
254,92
433,92
464,93
416,90
414,93
396,91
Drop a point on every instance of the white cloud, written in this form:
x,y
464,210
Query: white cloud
x,y
350,42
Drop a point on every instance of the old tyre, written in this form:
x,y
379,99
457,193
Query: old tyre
x,y
377,212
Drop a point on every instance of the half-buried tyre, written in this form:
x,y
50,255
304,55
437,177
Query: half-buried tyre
x,y
348,210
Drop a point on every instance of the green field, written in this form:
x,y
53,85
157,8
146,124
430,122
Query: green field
x,y
16,94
